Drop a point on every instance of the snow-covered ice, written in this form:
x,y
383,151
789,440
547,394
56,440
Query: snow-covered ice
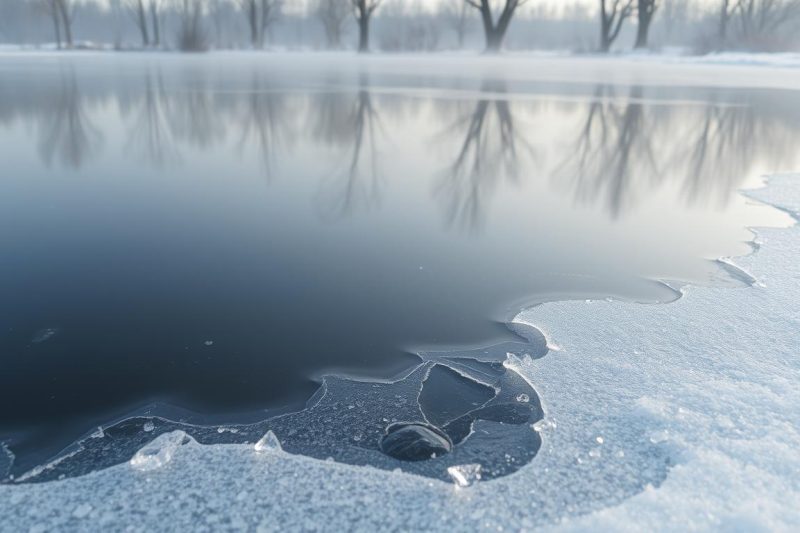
x,y
682,416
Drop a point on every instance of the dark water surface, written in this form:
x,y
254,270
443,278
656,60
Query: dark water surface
x,y
215,236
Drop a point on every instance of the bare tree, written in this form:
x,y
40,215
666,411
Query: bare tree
x,y
334,15
495,30
137,11
725,9
218,11
50,7
645,11
760,19
363,10
66,11
612,14
260,15
61,12
191,33
155,21
455,14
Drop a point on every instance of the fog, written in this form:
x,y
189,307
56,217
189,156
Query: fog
x,y
689,26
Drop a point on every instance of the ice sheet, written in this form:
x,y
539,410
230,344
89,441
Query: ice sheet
x,y
674,417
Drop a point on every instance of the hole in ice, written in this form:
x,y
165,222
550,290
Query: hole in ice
x,y
415,442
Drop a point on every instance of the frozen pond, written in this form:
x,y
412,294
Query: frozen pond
x,y
211,235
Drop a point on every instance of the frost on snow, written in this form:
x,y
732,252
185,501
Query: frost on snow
x,y
695,403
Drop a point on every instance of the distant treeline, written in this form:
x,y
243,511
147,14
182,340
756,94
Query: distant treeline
x,y
405,25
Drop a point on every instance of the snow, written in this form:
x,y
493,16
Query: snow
x,y
728,69
680,416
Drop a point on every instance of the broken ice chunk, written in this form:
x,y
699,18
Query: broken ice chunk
x,y
159,451
269,442
465,475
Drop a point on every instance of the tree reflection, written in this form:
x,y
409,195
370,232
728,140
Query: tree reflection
x,y
625,145
722,144
488,155
358,186
194,113
68,134
262,120
626,149
613,158
150,135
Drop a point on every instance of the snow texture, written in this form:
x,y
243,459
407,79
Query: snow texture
x,y
681,416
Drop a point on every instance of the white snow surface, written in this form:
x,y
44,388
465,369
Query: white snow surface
x,y
674,417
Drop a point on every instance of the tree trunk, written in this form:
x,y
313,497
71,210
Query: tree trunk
x,y
496,31
645,10
724,17
142,16
641,34
605,43
264,22
156,28
363,33
67,21
493,41
605,29
252,16
57,27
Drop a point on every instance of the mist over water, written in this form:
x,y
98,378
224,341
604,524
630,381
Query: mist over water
x,y
216,237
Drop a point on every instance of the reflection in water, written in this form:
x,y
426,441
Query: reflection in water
x,y
614,158
68,134
150,137
628,147
194,114
488,155
262,121
358,186
625,148
233,296
723,143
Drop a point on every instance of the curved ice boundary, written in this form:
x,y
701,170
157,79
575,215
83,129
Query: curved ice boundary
x,y
670,417
480,404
